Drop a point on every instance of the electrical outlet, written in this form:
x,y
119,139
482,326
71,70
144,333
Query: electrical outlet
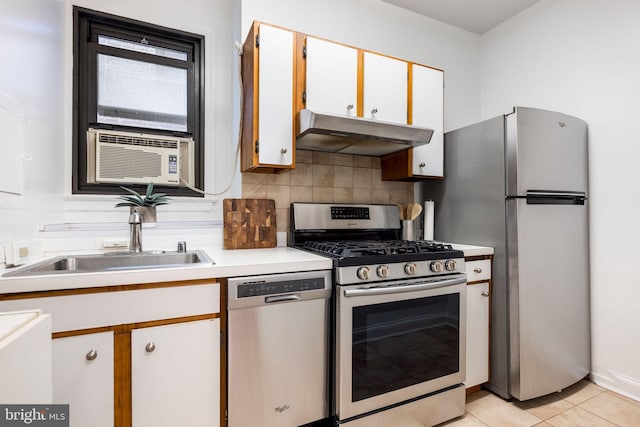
x,y
20,252
115,243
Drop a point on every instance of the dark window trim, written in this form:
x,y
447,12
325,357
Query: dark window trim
x,y
85,22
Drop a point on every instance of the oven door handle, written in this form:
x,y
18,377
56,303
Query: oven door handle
x,y
385,290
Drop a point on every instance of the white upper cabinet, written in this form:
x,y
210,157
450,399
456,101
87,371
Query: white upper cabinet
x,y
285,72
385,88
427,111
275,99
331,77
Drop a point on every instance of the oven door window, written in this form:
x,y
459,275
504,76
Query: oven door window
x,y
402,343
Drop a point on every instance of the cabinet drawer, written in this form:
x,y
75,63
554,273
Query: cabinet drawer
x,y
83,311
478,270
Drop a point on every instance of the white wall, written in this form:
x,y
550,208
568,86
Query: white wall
x,y
582,57
214,20
36,37
31,42
384,28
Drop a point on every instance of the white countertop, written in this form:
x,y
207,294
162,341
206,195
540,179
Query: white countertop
x,y
472,250
228,263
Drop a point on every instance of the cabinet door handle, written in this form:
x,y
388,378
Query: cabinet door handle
x,y
91,355
421,165
150,347
375,110
350,107
485,293
477,270
283,151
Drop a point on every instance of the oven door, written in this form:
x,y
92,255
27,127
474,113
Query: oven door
x,y
398,341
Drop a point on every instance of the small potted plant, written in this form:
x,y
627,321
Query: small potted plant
x,y
145,204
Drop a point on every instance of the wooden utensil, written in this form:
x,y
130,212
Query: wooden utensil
x,y
416,210
402,211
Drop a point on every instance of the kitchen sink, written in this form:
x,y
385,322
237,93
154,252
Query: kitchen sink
x,y
113,262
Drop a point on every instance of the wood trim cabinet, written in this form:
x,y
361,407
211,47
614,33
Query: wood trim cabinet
x,y
426,110
176,366
83,377
139,355
478,321
334,78
384,88
330,77
339,79
269,77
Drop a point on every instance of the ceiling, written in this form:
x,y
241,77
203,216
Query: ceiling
x,y
477,16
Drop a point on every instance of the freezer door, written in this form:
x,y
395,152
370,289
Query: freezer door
x,y
545,150
548,283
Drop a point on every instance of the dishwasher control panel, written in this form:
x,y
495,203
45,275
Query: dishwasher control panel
x,y
263,287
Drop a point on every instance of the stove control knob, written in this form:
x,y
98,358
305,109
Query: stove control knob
x,y
382,271
410,268
363,273
436,266
450,265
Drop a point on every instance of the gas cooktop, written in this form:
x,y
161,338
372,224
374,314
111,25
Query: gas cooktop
x,y
349,253
365,238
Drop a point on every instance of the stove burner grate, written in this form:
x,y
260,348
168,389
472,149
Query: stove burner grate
x,y
348,249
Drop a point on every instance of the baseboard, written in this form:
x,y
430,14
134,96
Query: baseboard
x,y
619,383
473,389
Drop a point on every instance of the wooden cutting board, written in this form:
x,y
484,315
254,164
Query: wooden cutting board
x,y
249,223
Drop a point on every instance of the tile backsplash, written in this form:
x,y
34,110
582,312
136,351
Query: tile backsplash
x,y
325,177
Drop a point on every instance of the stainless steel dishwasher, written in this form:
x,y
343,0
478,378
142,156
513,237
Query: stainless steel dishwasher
x,y
278,349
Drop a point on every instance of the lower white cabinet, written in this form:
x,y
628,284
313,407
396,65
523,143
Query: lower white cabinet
x,y
83,378
477,334
175,375
137,357
478,314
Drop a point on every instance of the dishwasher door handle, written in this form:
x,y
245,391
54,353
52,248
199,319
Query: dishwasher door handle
x,y
282,298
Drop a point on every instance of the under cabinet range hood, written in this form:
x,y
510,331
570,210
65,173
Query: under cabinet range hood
x,y
356,135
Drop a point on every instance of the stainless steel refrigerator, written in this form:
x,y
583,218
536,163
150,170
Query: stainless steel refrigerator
x,y
519,183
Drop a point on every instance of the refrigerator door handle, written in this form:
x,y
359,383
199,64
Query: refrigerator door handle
x,y
538,197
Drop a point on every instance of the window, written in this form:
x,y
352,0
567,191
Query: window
x,y
135,77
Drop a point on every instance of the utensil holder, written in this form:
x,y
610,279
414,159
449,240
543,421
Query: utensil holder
x,y
407,229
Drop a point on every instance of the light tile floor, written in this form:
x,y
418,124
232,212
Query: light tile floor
x,y
581,405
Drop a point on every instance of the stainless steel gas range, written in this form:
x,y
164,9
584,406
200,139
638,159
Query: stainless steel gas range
x,y
398,317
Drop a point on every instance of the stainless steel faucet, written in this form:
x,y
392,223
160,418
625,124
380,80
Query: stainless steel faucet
x,y
135,232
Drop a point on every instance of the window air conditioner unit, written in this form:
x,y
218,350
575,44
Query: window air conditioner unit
x,y
137,158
